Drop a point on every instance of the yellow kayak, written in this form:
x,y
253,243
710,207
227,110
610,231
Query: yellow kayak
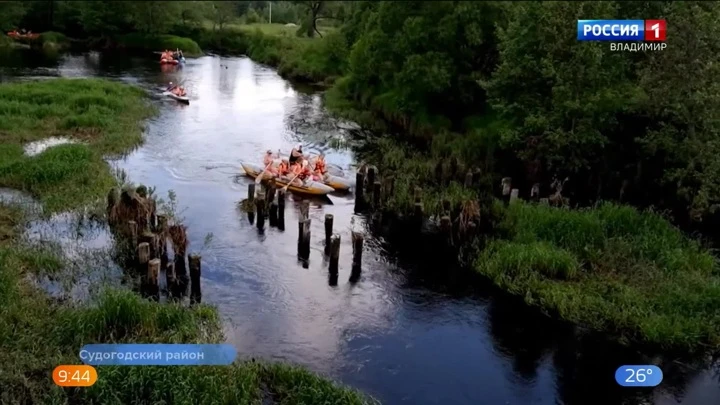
x,y
310,187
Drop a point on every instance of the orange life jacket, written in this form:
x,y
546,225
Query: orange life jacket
x,y
283,168
320,166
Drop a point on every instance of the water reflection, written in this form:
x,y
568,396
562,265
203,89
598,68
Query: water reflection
x,y
405,329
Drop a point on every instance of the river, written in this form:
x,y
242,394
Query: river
x,y
405,332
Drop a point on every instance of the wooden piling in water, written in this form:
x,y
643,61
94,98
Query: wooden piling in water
x,y
251,192
419,215
304,238
195,272
170,279
133,229
305,210
334,253
143,257
417,196
153,221
506,187
181,276
535,192
357,242
469,179
328,231
260,211
153,285
514,193
376,194
359,188
370,177
281,209
388,186
273,213
447,229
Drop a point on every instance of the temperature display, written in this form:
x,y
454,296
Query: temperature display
x,y
639,376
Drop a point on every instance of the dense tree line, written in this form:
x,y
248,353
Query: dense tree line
x,y
642,127
503,85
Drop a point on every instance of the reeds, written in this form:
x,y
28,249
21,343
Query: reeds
x,y
609,268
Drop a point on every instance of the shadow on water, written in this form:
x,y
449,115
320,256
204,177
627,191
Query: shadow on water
x,y
406,329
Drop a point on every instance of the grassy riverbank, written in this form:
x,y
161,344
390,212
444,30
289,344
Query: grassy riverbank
x,y
37,333
609,268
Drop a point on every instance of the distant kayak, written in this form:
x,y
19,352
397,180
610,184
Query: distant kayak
x,y
181,99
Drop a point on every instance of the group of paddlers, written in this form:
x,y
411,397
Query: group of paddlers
x,y
170,55
296,166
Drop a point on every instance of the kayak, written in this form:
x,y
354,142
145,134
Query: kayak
x,y
178,98
169,61
310,187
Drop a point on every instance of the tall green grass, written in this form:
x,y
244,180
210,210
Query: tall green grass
x,y
104,117
157,43
609,268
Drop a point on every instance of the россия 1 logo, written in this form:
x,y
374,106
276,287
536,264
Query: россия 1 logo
x,y
642,35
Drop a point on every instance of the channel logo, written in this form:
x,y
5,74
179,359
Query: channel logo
x,y
622,30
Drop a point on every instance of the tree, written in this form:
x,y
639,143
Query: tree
x,y
11,13
314,8
222,12
683,98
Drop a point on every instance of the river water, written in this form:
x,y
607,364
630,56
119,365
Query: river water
x,y
405,332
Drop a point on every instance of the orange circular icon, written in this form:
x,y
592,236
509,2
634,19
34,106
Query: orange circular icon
x,y
74,376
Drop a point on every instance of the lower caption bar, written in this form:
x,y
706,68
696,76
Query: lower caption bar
x,y
158,354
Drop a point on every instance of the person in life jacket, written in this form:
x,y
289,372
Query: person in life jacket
x,y
269,162
179,91
284,168
296,155
320,168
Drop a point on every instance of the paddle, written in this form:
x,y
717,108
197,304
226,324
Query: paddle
x,y
258,179
288,185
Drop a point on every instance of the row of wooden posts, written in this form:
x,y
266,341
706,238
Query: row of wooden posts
x,y
151,255
276,215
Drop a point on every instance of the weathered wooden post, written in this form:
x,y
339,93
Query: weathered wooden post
x,y
417,197
273,212
270,191
153,214
153,285
506,184
305,209
303,237
143,257
334,253
419,215
181,276
281,209
370,177
260,211
170,279
133,228
446,229
357,242
535,192
251,192
328,231
469,179
151,240
195,272
545,201
359,188
376,194
514,193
